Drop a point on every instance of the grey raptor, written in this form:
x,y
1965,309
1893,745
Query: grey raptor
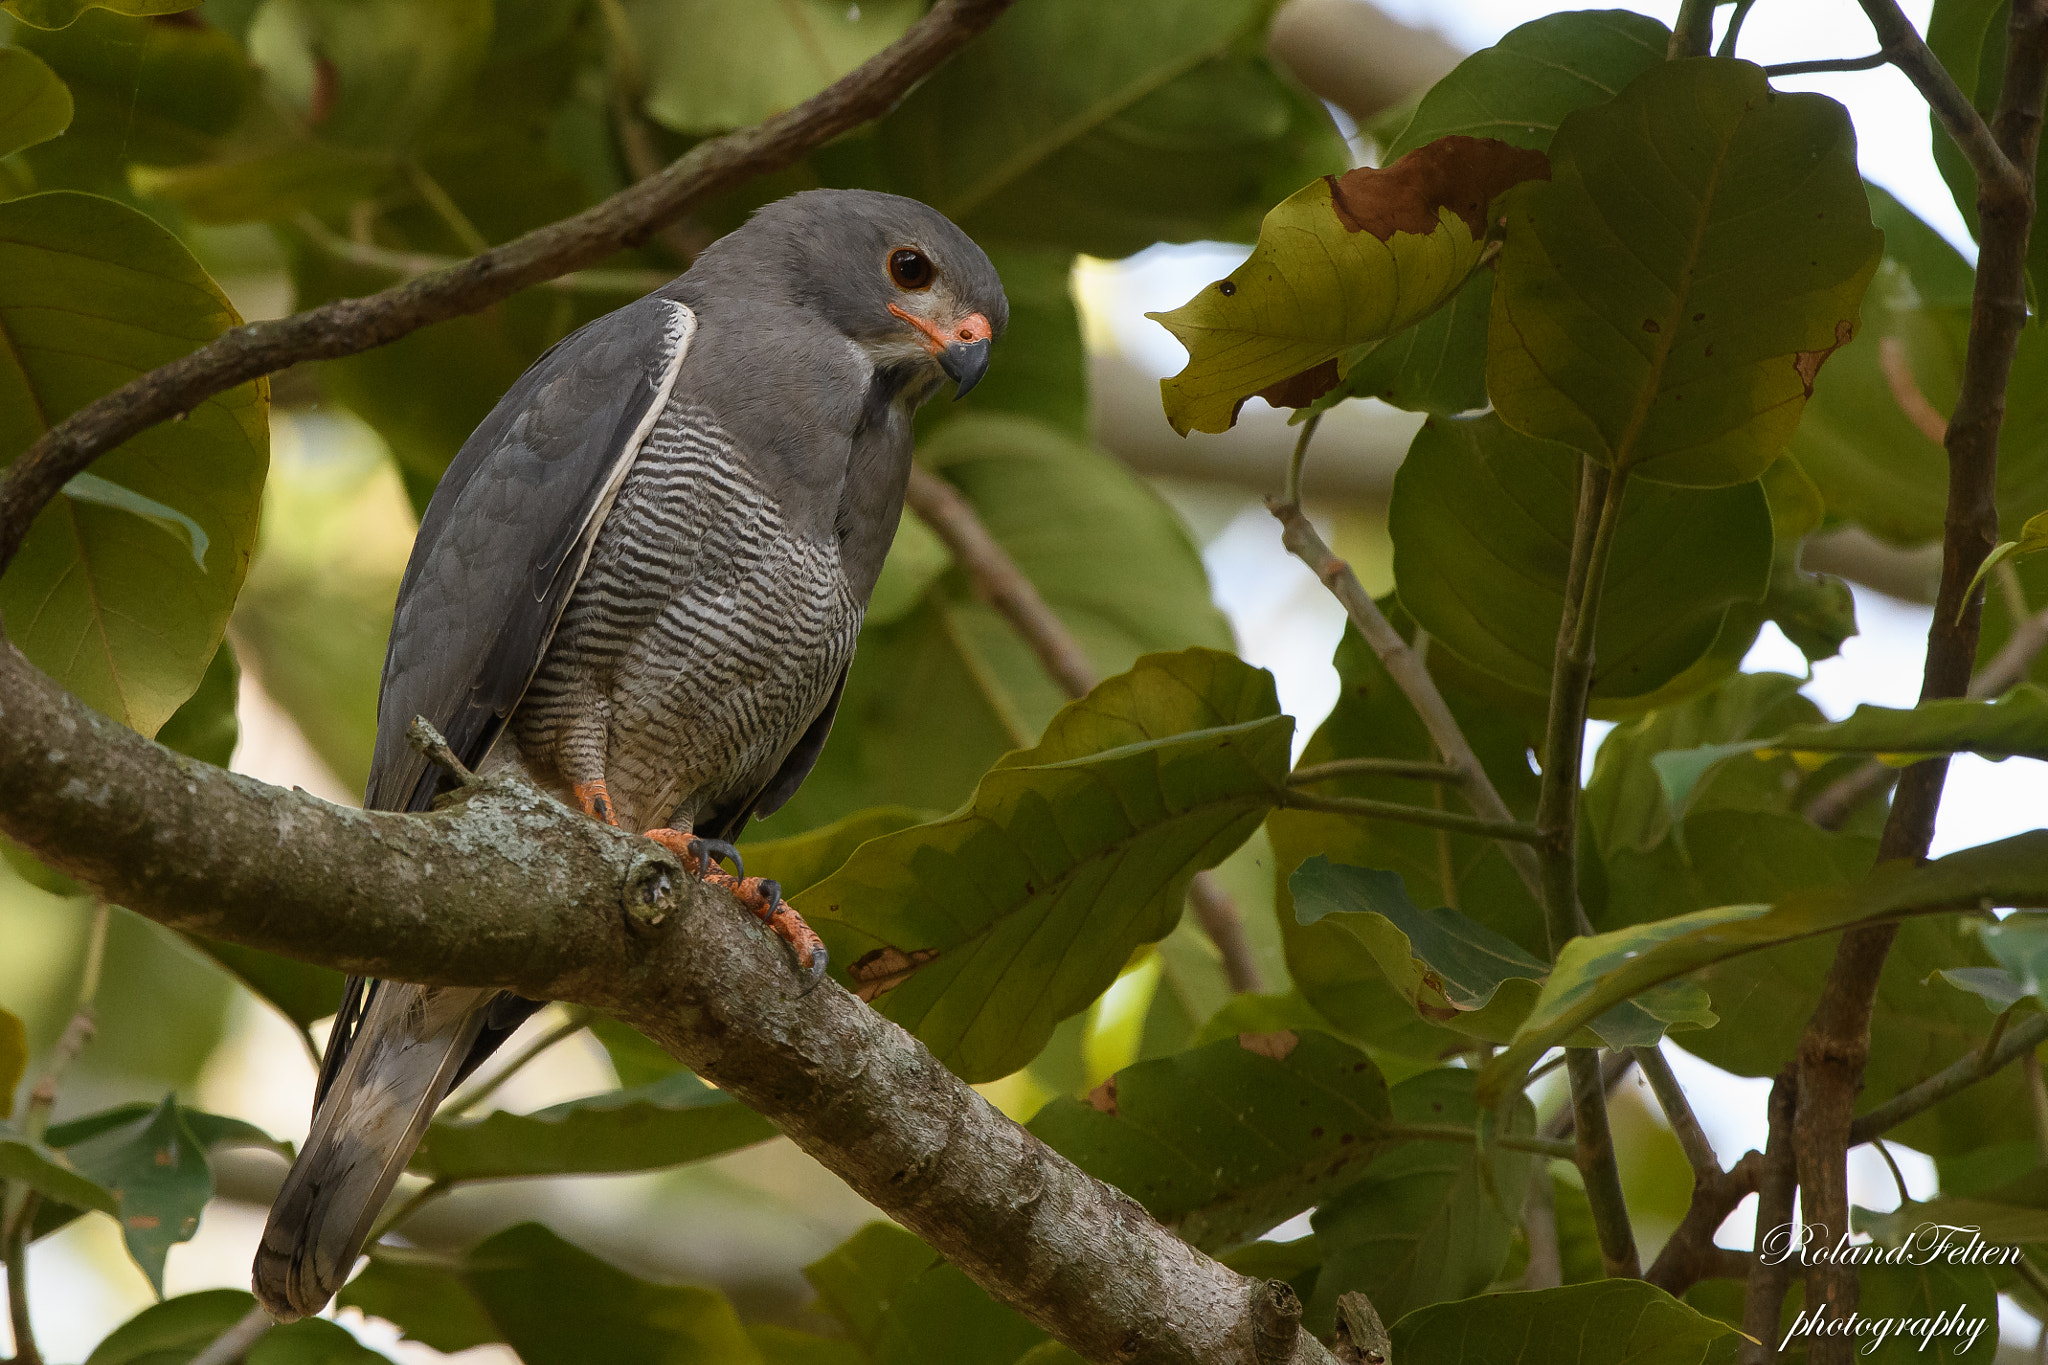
x,y
639,584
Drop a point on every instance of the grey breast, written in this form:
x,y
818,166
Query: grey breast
x,y
705,634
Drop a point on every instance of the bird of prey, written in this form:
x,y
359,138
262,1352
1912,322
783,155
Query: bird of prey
x,y
639,585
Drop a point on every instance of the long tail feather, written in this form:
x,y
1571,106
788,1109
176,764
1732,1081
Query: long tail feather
x,y
406,1057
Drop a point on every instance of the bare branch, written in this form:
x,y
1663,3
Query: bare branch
x,y
1836,1042
349,326
2019,1040
507,887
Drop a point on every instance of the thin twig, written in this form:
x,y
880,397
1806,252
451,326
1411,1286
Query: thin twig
x,y
1365,808
25,1350
1337,768
351,326
573,1023
1898,1176
1897,368
1866,63
1692,33
1836,1042
2020,1040
233,1344
1614,1067
999,582
413,1203
1685,1125
1409,674
1997,173
1733,32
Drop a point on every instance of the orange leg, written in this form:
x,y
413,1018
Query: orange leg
x,y
596,801
758,894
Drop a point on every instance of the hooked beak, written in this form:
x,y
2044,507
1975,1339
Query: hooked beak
x,y
961,350
965,362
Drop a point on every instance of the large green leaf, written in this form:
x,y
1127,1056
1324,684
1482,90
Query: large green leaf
x,y
665,1123
35,106
552,1303
1343,262
1482,517
1608,1322
1227,1141
939,694
902,1305
1594,973
1522,87
156,1167
859,1279
982,931
718,64
1666,299
91,295
1437,366
1333,967
144,90
1904,1302
177,1330
1428,1221
1101,129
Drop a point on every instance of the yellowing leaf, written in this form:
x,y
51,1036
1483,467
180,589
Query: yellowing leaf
x,y
1344,261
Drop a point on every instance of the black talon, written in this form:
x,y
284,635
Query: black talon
x,y
818,959
711,852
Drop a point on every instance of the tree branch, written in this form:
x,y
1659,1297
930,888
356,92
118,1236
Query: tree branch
x,y
1776,1183
2017,1041
999,582
1836,1042
349,326
507,887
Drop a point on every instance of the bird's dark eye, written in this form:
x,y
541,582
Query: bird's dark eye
x,y
910,269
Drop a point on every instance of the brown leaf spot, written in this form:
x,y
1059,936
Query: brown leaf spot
x,y
1462,174
1304,388
884,969
164,1157
1274,1045
1807,363
1103,1097
1650,326
142,1222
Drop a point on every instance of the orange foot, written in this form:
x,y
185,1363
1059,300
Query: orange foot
x,y
700,857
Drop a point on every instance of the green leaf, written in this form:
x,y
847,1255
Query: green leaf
x,y
1520,89
172,1332
1101,130
156,1166
313,1341
785,1346
1661,304
1437,366
551,1302
1455,971
2013,725
300,991
205,727
49,1174
394,69
1227,1141
982,931
1968,37
1607,1322
58,13
1481,519
937,696
2020,944
2033,539
1344,261
942,1315
858,1280
1594,973
1428,1221
91,295
35,105
1908,1299
1998,988
664,1123
719,64
13,1059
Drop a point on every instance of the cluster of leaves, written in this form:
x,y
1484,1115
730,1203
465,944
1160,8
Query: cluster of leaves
x,y
1576,251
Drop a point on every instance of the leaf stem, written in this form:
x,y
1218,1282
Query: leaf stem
x,y
1872,61
1292,493
233,1344
1508,831
1336,768
1692,33
573,1022
1733,32
1451,1132
1409,673
414,1202
1685,1125
1571,686
25,1352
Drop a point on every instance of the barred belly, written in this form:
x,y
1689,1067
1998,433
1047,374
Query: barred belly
x,y
699,644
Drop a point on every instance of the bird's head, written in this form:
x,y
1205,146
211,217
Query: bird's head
x,y
895,276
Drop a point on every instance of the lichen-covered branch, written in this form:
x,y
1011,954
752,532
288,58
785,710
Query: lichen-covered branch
x,y
508,887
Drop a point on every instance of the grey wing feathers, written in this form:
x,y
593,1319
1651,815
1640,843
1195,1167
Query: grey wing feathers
x,y
500,546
